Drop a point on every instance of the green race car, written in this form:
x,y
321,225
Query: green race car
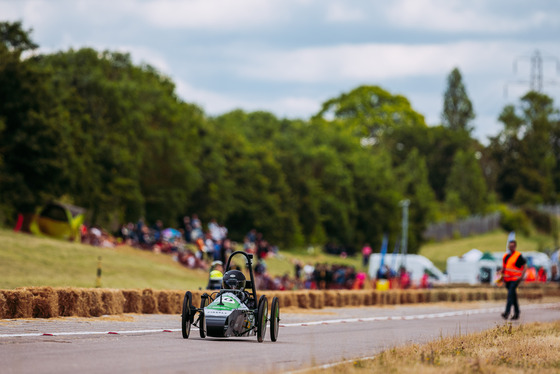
x,y
232,311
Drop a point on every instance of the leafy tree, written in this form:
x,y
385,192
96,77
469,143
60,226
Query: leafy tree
x,y
132,140
34,143
372,112
466,187
413,181
457,107
14,39
247,185
525,150
443,144
392,130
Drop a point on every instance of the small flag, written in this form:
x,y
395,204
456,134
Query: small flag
x,y
383,250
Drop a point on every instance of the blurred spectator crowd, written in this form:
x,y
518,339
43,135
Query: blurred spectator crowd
x,y
191,244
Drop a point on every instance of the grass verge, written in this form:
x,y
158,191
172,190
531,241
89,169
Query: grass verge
x,y
27,261
530,348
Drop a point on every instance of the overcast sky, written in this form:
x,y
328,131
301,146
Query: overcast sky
x,y
289,56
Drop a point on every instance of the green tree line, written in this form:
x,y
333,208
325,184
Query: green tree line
x,y
93,129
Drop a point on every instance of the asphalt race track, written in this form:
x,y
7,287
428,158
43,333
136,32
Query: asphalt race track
x,y
153,343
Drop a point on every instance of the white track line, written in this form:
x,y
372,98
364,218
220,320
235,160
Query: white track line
x,y
87,333
417,316
300,324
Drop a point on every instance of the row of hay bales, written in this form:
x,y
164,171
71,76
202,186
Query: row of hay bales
x,y
48,302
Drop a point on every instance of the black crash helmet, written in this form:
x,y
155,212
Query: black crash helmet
x,y
234,280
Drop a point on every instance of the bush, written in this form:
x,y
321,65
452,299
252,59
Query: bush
x,y
542,221
514,220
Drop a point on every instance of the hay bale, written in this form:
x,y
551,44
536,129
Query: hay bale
x,y
381,297
317,299
19,303
333,298
357,298
409,297
132,301
285,299
71,302
278,294
412,296
303,299
500,295
93,302
175,300
457,295
292,298
443,295
393,297
367,295
113,302
375,298
429,296
149,302
3,306
45,302
345,298
162,301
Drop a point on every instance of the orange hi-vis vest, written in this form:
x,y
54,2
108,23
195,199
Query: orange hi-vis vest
x,y
512,272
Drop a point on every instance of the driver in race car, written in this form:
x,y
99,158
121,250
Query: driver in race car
x,y
235,280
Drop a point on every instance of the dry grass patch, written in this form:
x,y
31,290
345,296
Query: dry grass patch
x,y
531,348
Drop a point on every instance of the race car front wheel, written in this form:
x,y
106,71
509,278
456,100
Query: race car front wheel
x,y
274,319
204,301
262,313
186,316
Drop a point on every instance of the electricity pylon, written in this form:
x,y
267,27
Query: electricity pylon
x,y
536,80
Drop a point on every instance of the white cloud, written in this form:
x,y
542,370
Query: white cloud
x,y
294,107
211,102
372,61
343,12
37,14
215,103
215,15
9,11
145,55
486,126
461,16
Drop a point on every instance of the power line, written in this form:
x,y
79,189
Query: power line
x,y
536,78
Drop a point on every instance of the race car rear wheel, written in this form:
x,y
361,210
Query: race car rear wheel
x,y
204,301
186,316
262,313
274,318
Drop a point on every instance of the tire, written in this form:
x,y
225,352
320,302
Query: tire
x,y
262,313
186,316
204,301
274,319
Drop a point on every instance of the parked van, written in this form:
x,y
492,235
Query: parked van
x,y
414,264
466,270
